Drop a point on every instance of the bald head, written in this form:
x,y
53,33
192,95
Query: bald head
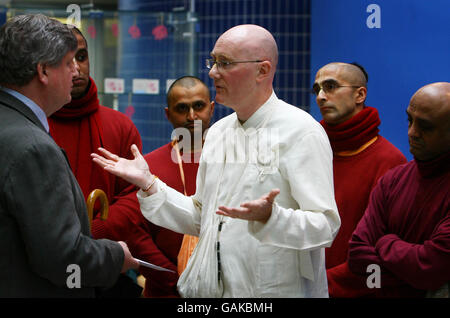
x,y
247,56
186,82
348,72
436,94
429,121
254,41
341,91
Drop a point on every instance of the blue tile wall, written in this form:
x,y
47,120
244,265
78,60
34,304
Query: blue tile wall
x,y
288,20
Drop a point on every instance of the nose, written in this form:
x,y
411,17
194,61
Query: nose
x,y
412,131
322,96
192,115
76,68
213,72
322,93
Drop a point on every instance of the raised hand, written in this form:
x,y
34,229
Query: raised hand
x,y
256,210
135,171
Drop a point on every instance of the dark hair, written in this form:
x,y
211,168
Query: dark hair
x,y
187,81
78,31
362,70
26,41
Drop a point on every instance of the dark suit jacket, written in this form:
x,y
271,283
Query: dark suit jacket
x,y
43,220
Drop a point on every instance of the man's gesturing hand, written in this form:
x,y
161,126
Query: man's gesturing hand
x,y
256,210
135,171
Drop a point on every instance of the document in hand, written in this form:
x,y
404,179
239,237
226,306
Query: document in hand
x,y
150,265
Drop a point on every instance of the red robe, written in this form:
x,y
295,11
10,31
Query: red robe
x,y
80,128
405,231
165,244
356,175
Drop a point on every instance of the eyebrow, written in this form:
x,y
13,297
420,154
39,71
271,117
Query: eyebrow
x,y
421,121
329,80
195,102
219,56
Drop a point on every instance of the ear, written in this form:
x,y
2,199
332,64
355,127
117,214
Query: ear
x,y
361,95
166,110
211,112
42,73
264,71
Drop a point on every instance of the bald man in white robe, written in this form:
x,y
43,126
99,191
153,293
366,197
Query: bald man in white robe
x,y
264,209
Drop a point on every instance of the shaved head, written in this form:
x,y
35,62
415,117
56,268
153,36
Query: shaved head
x,y
243,79
429,121
341,90
186,82
351,73
255,41
437,95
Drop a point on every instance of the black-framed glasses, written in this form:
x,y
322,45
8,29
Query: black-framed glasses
x,y
223,64
328,87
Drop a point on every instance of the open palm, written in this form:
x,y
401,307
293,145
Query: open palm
x,y
256,210
135,171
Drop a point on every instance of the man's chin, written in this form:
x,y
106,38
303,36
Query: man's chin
x,y
76,94
78,91
420,156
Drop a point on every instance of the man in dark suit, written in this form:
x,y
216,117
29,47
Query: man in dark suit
x,y
46,249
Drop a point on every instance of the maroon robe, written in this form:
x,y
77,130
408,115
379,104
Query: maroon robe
x,y
406,230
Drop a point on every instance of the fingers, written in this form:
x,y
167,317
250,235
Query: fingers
x,y
135,151
232,212
103,162
99,160
270,197
108,154
272,194
257,210
129,261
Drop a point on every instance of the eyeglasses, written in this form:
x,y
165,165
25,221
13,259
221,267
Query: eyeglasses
x,y
328,87
223,64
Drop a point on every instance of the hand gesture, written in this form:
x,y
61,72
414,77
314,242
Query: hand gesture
x,y
256,210
135,171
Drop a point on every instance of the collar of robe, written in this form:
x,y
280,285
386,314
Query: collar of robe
x,y
355,132
434,167
81,107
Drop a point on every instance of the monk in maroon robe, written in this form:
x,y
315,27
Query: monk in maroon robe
x,y
404,235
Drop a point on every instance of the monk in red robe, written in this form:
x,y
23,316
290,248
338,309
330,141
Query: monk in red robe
x,y
360,154
189,110
404,235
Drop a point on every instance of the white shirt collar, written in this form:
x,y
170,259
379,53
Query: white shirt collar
x,y
258,117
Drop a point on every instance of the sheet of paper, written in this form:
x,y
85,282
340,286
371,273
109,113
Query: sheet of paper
x,y
150,265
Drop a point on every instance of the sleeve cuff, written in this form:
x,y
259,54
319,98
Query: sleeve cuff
x,y
385,242
262,231
149,204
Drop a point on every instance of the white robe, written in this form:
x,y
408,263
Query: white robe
x,y
279,146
